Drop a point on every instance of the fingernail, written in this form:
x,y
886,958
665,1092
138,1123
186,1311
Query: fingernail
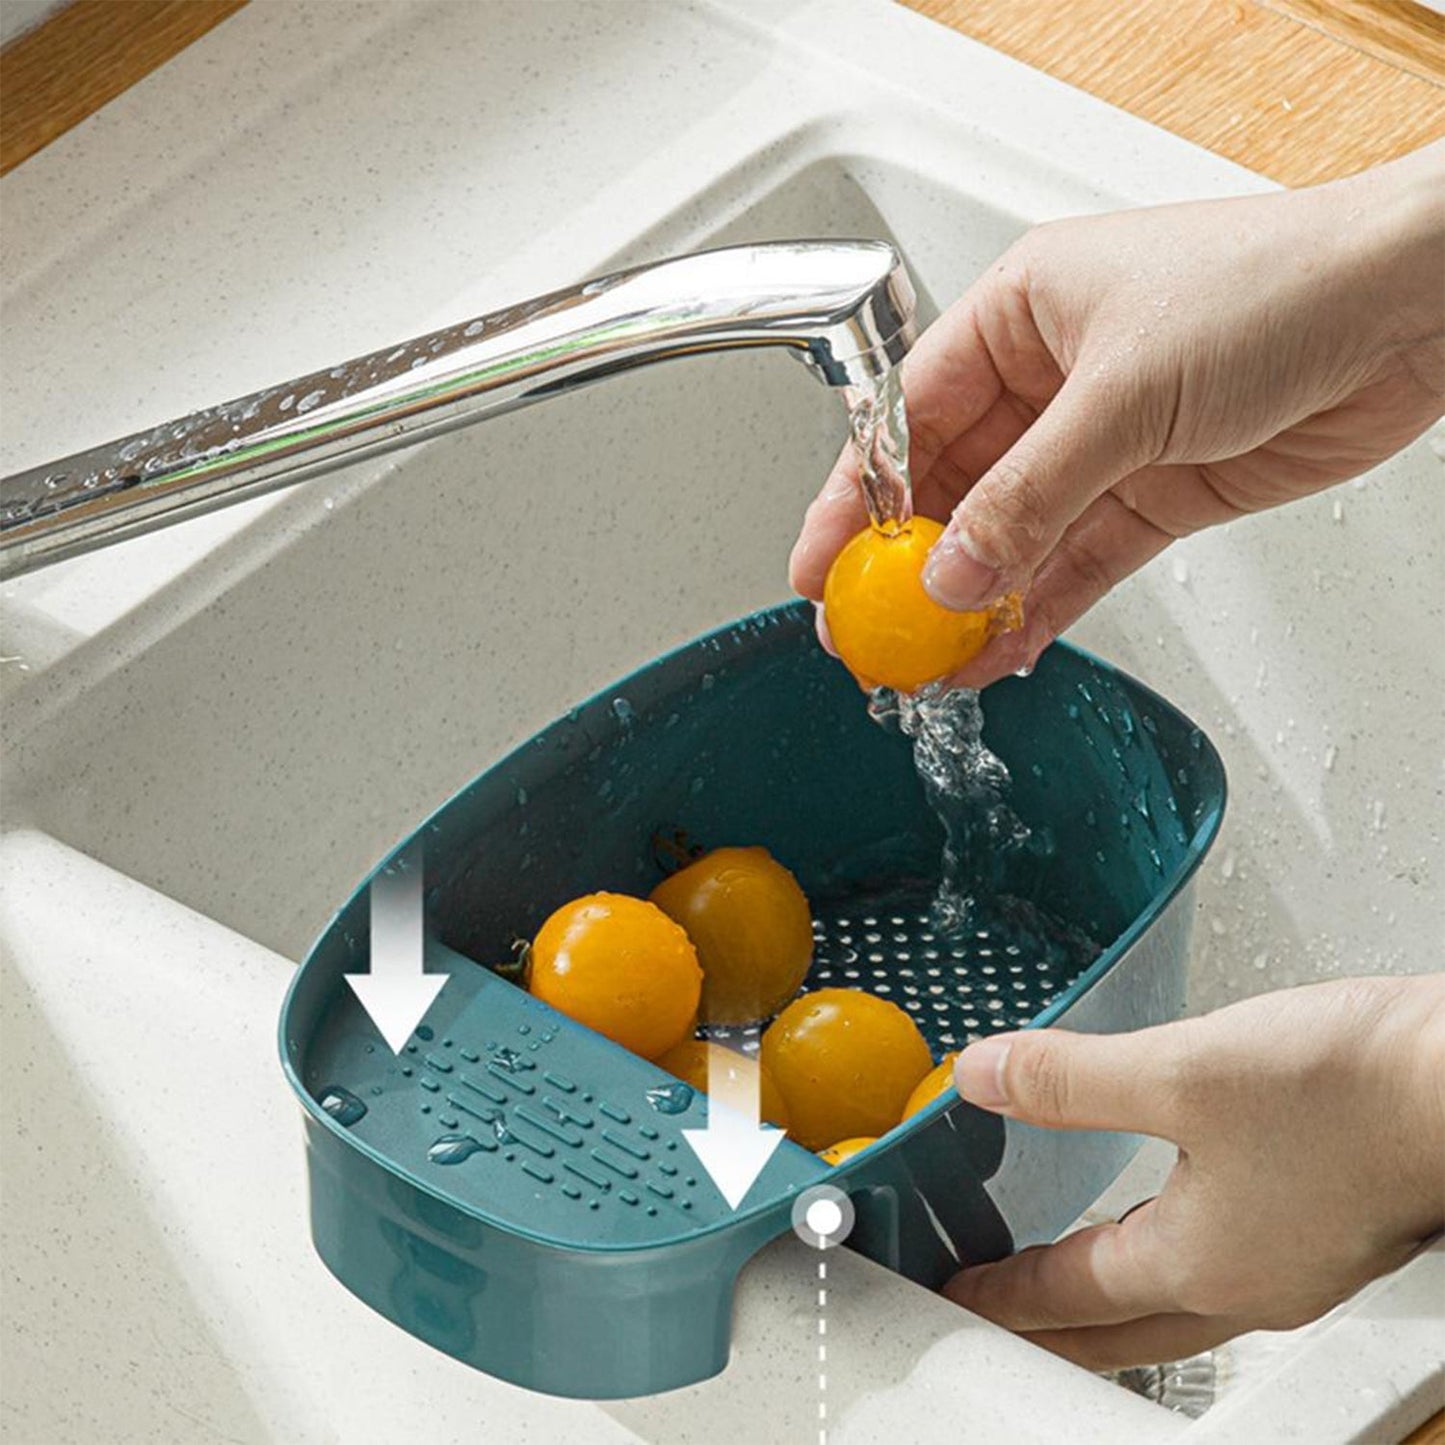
x,y
979,1073
956,578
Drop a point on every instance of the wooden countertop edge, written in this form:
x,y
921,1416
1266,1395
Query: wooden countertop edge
x,y
78,59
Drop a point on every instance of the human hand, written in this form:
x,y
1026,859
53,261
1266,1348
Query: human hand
x,y
1117,382
1311,1134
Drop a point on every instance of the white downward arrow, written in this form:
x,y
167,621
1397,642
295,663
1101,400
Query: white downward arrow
x,y
733,1148
396,993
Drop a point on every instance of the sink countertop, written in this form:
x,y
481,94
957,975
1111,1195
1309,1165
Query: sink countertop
x,y
190,257
1297,90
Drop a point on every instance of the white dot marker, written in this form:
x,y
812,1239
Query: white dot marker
x,y
824,1217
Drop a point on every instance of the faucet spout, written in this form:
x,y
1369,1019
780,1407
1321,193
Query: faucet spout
x,y
846,308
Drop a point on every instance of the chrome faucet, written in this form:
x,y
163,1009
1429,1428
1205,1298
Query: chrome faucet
x,y
846,308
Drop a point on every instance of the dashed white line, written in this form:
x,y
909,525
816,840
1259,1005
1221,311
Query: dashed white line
x,y
822,1353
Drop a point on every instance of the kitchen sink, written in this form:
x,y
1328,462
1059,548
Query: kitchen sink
x,y
211,735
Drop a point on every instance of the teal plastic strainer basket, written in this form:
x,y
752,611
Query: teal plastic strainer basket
x,y
516,1190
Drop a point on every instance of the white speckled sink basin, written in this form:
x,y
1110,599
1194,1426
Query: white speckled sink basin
x,y
211,733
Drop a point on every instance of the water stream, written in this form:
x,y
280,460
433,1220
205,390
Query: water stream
x,y
966,784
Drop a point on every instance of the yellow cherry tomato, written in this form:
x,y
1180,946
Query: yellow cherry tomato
x,y
689,1060
835,1154
751,926
886,628
936,1081
622,967
845,1063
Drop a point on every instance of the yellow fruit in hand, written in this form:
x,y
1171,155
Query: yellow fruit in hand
x,y
688,1061
835,1154
845,1063
620,966
751,926
938,1080
886,628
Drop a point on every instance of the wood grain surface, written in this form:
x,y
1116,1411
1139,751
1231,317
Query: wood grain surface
x,y
1432,1432
1290,100
1398,31
54,76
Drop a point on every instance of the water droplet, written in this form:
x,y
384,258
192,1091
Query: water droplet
x,y
623,711
454,1149
509,1059
425,1032
1331,753
342,1105
671,1098
288,401
474,328
312,398
1181,570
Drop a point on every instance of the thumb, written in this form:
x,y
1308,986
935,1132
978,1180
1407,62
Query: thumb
x,y
1088,437
1065,1080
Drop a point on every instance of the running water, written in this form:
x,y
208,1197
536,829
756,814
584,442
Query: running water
x,y
878,421
965,783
